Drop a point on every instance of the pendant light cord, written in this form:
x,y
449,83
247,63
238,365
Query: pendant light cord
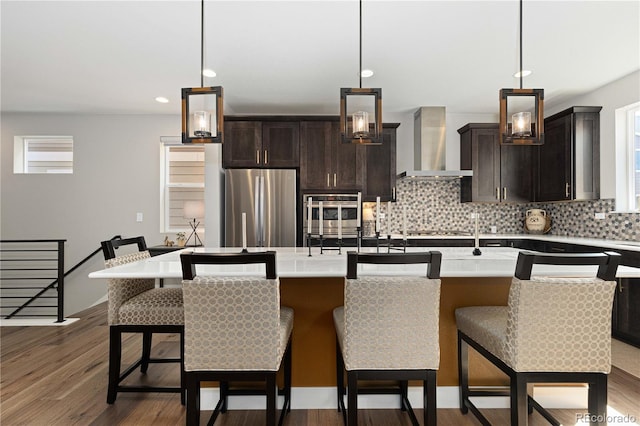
x,y
360,69
521,69
201,43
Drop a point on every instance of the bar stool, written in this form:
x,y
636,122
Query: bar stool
x,y
136,306
388,330
554,330
235,330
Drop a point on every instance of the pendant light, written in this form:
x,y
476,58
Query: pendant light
x,y
362,105
516,108
202,112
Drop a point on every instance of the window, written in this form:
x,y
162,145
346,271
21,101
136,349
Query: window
x,y
628,158
182,179
43,154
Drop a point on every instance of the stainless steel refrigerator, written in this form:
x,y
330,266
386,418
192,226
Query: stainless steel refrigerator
x,y
268,197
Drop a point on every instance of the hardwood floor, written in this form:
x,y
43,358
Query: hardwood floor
x,y
58,376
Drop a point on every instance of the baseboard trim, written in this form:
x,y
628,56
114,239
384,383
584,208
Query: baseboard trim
x,y
324,398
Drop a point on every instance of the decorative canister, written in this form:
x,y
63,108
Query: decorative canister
x,y
536,221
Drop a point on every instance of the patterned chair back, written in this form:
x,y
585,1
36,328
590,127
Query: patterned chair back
x,y
122,289
231,322
392,322
561,324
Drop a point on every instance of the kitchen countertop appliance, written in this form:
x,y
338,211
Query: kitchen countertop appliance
x,y
268,197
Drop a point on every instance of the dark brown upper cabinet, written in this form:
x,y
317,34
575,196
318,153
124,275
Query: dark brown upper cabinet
x,y
568,164
501,173
380,178
326,164
261,144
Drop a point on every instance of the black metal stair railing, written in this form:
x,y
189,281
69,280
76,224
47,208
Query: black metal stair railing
x,y
27,268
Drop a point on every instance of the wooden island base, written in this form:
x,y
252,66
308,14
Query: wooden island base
x,y
313,300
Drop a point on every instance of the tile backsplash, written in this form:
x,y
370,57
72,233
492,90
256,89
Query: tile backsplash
x,y
435,205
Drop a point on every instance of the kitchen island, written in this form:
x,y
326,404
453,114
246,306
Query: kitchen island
x,y
313,287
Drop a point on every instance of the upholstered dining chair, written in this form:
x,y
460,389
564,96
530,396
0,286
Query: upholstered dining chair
x,y
235,331
388,329
136,306
553,330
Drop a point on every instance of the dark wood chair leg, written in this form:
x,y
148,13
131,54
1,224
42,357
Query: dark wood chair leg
x,y
287,377
597,404
519,400
463,373
271,398
339,375
352,398
115,347
193,400
404,394
146,351
224,396
430,411
183,382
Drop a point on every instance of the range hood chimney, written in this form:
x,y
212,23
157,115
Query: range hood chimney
x,y
430,146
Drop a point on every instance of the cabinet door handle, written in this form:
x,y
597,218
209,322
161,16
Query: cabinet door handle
x,y
566,190
497,193
494,245
621,286
257,156
266,159
504,193
335,180
328,182
393,192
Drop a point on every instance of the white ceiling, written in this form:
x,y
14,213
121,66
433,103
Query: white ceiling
x,y
292,57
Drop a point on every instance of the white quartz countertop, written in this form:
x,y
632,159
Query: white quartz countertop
x,y
296,263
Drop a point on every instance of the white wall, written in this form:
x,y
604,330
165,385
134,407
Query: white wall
x,y
116,175
612,96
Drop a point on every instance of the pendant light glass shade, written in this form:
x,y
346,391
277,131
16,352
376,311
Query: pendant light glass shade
x,y
521,124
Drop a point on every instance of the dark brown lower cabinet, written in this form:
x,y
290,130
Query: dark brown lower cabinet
x,y
626,311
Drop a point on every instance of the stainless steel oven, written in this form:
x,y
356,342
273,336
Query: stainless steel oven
x,y
348,205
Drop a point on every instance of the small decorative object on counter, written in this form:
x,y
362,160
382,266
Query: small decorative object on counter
x,y
180,239
476,233
537,221
168,242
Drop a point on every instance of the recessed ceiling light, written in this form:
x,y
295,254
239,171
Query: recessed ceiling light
x,y
366,73
208,72
162,100
524,73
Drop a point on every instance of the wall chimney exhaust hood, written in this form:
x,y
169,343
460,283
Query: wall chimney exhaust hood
x,y
429,149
